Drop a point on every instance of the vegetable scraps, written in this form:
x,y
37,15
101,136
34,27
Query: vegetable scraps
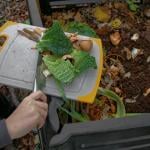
x,y
64,61
63,70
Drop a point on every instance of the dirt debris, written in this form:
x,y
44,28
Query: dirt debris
x,y
13,10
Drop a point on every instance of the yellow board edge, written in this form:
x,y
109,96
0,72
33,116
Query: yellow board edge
x,y
89,98
7,24
2,28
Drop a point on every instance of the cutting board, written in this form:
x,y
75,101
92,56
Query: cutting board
x,y
18,62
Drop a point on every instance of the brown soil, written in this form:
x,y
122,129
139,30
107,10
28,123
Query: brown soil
x,y
139,82
139,68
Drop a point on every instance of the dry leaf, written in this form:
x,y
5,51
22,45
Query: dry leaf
x,y
128,53
148,59
115,38
127,75
116,23
78,17
117,90
135,37
147,12
102,14
135,52
147,92
114,71
120,5
121,68
113,108
103,30
130,101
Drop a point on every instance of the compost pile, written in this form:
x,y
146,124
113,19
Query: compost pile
x,y
13,10
124,28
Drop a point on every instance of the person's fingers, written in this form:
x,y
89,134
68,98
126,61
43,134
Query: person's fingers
x,y
37,107
39,95
42,112
40,121
41,124
40,116
42,105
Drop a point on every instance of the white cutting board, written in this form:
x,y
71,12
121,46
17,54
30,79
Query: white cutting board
x,y
18,66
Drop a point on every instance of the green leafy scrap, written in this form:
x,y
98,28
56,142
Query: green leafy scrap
x,y
70,109
80,28
61,90
75,115
132,5
83,61
121,112
62,70
55,41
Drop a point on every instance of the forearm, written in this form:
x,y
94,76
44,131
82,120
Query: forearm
x,y
4,135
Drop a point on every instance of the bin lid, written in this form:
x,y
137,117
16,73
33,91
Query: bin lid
x,y
129,133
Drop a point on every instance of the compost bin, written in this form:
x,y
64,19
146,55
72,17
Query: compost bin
x,y
120,43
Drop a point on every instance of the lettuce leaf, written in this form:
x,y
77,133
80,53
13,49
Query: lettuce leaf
x,y
55,41
62,70
83,61
82,29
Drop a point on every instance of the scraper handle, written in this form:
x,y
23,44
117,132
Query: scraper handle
x,y
40,139
39,131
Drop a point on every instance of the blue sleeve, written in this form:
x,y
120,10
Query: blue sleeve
x,y
4,135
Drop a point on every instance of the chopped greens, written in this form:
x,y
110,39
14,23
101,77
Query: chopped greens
x,y
83,61
82,29
55,41
62,70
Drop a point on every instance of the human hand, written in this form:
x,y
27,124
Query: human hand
x,y
30,114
